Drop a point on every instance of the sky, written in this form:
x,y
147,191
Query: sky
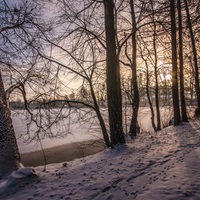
x,y
163,165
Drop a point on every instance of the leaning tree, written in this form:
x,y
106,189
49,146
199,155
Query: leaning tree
x,y
16,19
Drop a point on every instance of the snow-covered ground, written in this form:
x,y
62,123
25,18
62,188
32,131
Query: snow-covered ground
x,y
163,165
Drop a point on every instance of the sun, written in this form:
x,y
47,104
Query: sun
x,y
165,77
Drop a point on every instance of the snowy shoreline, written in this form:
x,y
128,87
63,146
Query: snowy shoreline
x,y
77,132
62,153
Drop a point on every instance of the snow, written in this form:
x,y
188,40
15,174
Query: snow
x,y
78,131
22,172
163,165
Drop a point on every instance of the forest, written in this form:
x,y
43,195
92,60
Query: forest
x,y
99,60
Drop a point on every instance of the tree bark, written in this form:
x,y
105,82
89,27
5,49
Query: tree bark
x,y
175,93
182,92
99,116
158,127
195,60
149,98
135,92
9,153
113,78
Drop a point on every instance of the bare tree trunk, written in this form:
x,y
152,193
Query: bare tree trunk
x,y
195,60
175,93
113,78
149,99
9,153
158,127
100,118
182,93
135,93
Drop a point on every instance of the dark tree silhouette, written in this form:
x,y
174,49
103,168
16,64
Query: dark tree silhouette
x,y
135,92
182,91
195,60
175,92
113,78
